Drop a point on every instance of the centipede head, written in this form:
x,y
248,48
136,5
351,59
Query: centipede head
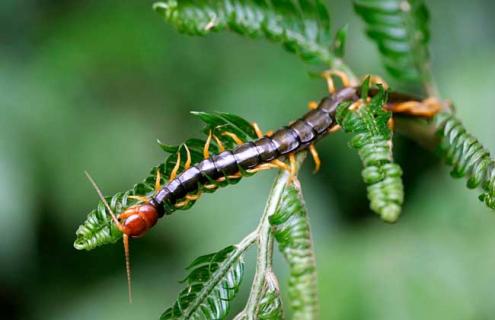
x,y
138,219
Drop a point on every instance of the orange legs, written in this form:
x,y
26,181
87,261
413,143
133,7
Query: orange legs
x,y
206,148
316,157
265,166
257,129
312,105
173,174
330,74
221,148
426,108
233,136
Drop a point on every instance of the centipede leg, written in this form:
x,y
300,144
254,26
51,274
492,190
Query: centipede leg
x,y
234,137
187,164
237,175
312,105
330,84
292,167
335,128
232,176
173,174
328,76
210,186
206,148
158,180
221,147
193,197
182,203
426,108
262,167
316,157
257,129
280,164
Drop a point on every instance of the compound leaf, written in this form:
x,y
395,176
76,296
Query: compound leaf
x,y
372,138
301,26
292,232
211,285
400,28
468,157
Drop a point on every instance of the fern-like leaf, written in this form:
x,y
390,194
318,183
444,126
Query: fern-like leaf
x,y
292,232
211,285
98,228
372,139
270,307
400,28
301,26
467,156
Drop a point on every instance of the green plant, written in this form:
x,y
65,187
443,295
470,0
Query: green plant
x,y
400,29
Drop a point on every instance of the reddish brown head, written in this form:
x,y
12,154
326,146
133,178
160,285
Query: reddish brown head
x,y
138,219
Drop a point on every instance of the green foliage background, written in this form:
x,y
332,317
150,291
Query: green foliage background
x,y
92,85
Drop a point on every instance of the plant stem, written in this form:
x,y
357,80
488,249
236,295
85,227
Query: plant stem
x,y
265,245
265,242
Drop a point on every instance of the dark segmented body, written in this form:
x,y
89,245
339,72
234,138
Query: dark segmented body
x,y
293,138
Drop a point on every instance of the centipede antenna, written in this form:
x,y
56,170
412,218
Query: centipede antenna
x,y
125,237
127,266
102,198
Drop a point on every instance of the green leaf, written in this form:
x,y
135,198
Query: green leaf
x,y
371,136
468,157
211,285
338,46
270,307
365,87
400,28
301,26
98,228
292,232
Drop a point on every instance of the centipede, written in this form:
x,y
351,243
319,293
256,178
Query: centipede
x,y
272,150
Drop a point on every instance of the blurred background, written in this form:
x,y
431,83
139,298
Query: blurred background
x,y
91,85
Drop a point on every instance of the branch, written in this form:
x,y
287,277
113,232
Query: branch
x,y
265,243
